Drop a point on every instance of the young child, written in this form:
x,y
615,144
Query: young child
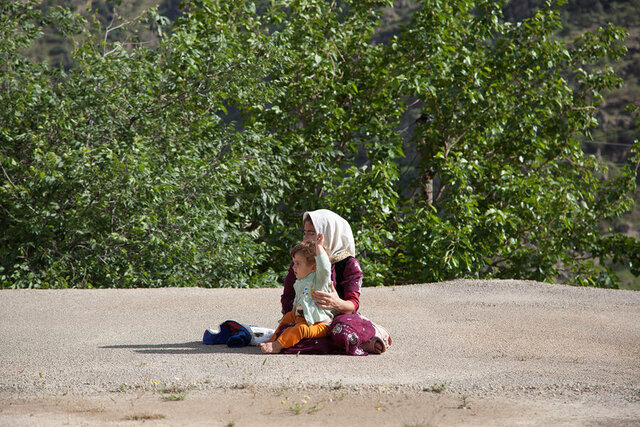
x,y
312,268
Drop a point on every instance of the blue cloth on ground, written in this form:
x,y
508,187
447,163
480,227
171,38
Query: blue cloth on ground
x,y
231,333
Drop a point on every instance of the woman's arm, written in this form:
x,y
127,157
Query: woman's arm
x,y
349,281
332,301
354,298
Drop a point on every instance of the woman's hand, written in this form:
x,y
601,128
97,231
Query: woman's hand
x,y
331,301
328,300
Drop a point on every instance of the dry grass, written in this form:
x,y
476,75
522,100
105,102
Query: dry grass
x,y
144,417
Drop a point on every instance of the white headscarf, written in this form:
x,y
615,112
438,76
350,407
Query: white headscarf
x,y
337,233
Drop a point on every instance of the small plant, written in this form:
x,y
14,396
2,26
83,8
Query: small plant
x,y
245,382
337,397
173,394
296,409
315,408
174,397
144,417
436,388
174,390
464,402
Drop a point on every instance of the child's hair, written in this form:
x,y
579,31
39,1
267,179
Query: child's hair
x,y
307,249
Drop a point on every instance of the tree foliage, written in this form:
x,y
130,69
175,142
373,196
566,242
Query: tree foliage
x,y
508,188
189,162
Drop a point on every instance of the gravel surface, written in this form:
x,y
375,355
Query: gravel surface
x,y
521,342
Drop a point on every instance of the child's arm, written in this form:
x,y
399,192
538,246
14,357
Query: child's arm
x,y
323,265
319,243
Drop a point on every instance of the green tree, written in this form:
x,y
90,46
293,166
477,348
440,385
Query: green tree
x,y
117,171
186,161
504,188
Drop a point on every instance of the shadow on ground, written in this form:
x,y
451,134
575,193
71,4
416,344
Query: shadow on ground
x,y
192,347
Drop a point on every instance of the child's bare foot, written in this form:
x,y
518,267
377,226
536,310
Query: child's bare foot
x,y
271,347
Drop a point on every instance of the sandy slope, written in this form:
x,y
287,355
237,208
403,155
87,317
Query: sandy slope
x,y
464,352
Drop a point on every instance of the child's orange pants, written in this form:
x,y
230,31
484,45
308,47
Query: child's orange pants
x,y
293,334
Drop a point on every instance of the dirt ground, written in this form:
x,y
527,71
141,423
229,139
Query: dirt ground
x,y
463,353
300,407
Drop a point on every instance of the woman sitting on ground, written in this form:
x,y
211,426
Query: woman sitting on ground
x,y
346,273
349,333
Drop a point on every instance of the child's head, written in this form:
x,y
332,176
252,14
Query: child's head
x,y
304,261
